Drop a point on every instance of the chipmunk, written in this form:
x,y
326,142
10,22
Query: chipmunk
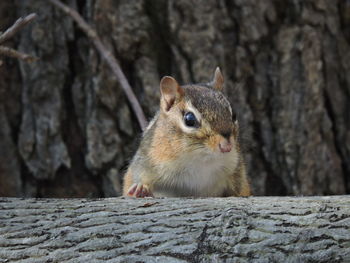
x,y
190,148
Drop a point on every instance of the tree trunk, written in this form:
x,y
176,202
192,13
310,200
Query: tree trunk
x,y
66,129
270,229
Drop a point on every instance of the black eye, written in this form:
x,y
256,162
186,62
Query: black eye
x,y
190,120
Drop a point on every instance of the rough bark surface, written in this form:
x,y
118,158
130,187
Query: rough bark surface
x,y
66,127
275,229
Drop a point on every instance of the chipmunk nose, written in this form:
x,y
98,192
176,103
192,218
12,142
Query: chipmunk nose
x,y
225,146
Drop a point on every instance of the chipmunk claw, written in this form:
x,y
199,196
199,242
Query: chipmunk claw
x,y
139,191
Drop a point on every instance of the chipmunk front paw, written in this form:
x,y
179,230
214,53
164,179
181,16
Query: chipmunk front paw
x,y
139,190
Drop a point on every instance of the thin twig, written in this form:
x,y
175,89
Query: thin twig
x,y
10,52
108,57
17,26
10,32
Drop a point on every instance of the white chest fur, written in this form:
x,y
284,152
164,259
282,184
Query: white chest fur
x,y
197,174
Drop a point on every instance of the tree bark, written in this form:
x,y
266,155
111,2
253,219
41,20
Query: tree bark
x,y
270,229
66,127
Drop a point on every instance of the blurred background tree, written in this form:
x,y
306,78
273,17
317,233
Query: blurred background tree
x,y
67,130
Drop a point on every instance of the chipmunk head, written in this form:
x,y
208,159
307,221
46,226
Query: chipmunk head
x,y
199,116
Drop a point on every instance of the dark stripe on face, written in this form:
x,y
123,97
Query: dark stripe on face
x,y
213,107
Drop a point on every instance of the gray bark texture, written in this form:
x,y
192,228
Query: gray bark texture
x,y
259,229
67,130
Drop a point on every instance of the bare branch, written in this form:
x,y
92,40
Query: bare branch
x,y
10,32
108,58
10,52
17,26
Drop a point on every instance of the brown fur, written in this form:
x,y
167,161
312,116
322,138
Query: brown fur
x,y
164,149
164,143
128,182
245,187
214,141
165,146
245,190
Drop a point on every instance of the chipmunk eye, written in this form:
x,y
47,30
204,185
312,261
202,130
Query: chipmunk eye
x,y
190,120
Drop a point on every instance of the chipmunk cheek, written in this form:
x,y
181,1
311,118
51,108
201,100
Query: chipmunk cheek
x,y
213,142
201,134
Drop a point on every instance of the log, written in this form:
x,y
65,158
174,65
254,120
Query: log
x,y
255,229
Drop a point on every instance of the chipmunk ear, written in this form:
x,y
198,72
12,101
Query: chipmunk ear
x,y
218,81
170,91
